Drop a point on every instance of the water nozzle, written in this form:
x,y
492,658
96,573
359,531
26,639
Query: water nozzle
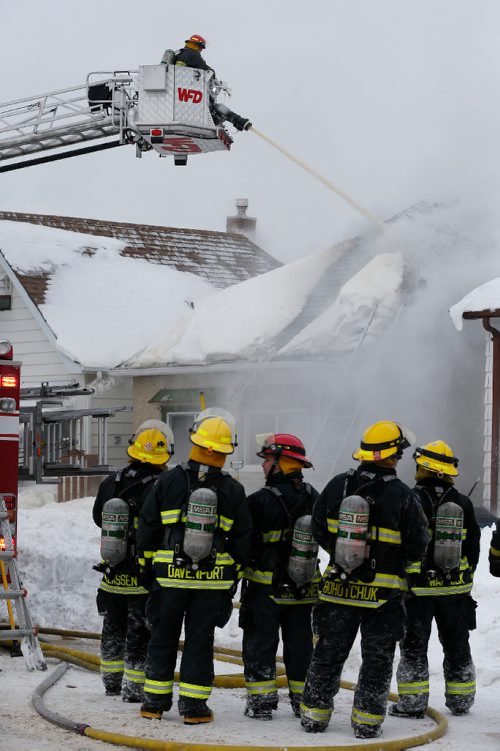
x,y
240,123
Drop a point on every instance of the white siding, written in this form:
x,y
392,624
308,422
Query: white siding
x,y
40,361
120,427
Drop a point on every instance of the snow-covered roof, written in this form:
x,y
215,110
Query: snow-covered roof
x,y
368,297
104,296
100,305
484,299
245,322
219,257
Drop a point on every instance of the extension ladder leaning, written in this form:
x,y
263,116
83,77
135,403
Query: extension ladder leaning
x,y
13,592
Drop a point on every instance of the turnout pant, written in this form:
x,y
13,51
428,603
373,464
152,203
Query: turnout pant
x,y
124,642
454,616
168,609
261,620
337,626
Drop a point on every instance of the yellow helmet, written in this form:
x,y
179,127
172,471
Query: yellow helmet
x,y
383,439
153,442
437,457
214,429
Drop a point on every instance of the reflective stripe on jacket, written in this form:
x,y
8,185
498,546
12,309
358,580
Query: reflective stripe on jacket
x,y
424,578
162,522
398,534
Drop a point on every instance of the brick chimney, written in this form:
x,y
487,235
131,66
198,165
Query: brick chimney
x,y
241,223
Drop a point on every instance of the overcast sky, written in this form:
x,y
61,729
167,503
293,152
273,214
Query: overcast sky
x,y
396,101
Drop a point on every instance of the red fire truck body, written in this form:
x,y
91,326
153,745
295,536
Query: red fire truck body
x,y
10,376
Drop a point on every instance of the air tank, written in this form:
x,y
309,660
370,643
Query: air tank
x,y
304,553
114,531
351,547
448,536
201,521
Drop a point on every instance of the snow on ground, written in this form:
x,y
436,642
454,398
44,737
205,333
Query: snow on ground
x,y
58,544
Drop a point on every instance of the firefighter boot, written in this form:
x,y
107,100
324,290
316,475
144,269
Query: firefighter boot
x,y
154,710
194,711
133,693
366,731
295,700
314,720
113,687
395,710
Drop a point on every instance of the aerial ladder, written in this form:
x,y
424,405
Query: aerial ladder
x,y
173,110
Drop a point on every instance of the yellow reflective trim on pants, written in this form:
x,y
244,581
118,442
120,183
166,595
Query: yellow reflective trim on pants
x,y
418,687
193,691
494,552
111,666
296,687
333,526
365,718
158,687
261,687
134,676
461,688
315,714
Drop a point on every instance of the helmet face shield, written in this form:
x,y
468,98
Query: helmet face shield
x,y
409,437
157,425
266,442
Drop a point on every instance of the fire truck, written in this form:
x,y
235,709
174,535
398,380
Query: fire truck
x,y
10,372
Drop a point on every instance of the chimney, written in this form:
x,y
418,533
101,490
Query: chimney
x,y
241,223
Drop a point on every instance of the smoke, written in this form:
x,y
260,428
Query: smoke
x,y
420,371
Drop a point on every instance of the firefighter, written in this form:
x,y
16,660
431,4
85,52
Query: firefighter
x,y
272,598
189,55
370,523
121,598
494,552
440,587
195,530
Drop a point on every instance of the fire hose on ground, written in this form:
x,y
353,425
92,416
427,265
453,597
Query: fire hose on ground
x,y
90,661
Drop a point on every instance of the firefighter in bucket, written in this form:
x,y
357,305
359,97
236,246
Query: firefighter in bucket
x,y
195,531
121,598
440,589
370,523
281,584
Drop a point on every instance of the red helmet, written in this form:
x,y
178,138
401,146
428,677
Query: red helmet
x,y
197,39
282,444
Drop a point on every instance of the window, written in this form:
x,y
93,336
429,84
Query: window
x,y
5,292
